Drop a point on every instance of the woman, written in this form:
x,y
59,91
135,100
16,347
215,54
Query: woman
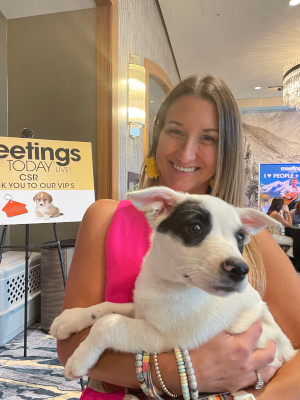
x,y
278,211
197,146
295,214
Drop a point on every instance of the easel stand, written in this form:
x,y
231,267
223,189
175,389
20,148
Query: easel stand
x,y
29,247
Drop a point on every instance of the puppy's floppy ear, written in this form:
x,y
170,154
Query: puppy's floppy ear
x,y
49,197
34,198
254,221
155,201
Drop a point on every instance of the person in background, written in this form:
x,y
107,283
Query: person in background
x,y
291,193
279,211
295,213
197,147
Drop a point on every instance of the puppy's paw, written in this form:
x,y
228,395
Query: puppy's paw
x,y
70,321
74,369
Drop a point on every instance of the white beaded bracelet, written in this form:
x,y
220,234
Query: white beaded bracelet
x,y
192,382
159,378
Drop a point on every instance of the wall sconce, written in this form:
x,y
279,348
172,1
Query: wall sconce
x,y
136,98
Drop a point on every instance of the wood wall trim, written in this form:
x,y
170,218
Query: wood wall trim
x,y
107,98
160,77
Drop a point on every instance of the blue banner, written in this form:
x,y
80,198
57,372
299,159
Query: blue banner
x,y
278,180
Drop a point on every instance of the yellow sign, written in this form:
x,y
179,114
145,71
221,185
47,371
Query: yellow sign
x,y
44,180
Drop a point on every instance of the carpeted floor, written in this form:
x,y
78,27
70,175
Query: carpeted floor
x,y
39,375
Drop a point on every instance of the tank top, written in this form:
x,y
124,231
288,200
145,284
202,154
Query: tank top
x,y
127,242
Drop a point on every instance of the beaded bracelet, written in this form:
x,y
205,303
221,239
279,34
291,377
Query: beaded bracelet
x,y
182,374
192,382
159,378
143,374
139,364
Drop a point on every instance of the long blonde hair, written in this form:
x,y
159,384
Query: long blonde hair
x,y
230,162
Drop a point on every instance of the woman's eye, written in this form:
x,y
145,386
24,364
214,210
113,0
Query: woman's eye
x,y
207,139
195,228
176,132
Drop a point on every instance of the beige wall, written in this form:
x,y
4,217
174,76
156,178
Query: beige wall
x,y
141,33
261,102
52,88
3,76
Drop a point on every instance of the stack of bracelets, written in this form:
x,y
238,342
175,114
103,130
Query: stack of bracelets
x,y
186,374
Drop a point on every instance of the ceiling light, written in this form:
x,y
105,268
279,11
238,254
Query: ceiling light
x,y
257,87
294,2
291,84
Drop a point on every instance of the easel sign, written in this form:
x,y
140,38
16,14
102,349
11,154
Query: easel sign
x,y
44,181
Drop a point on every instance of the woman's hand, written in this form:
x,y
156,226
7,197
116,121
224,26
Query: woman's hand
x,y
229,362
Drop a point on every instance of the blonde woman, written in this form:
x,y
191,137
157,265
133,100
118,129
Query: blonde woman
x,y
197,148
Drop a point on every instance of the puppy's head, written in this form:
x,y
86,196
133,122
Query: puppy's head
x,y
42,199
199,239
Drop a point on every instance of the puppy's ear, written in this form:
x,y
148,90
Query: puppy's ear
x,y
34,198
50,198
155,201
254,221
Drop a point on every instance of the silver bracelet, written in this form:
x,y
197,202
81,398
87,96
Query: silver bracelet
x,y
159,378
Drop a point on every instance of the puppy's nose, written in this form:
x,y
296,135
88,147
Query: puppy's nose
x,y
236,269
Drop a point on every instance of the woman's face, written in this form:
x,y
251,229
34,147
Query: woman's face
x,y
187,149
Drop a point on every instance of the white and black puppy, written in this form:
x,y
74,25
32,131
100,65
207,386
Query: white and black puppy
x,y
44,207
193,284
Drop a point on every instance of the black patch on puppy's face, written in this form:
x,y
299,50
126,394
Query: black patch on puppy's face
x,y
189,222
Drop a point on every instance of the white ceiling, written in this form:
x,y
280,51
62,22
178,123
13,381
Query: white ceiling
x,y
25,8
245,42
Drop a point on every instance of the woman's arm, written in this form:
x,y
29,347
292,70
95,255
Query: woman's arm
x,y
285,222
283,298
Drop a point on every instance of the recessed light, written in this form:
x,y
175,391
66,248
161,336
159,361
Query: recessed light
x,y
257,87
152,101
294,2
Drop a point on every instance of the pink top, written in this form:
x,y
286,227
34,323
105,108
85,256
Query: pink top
x,y
127,242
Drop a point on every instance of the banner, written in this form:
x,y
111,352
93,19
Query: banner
x,y
278,180
44,181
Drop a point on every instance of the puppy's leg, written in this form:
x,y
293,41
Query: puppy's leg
x,y
77,319
117,332
284,348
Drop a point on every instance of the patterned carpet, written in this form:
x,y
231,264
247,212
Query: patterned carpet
x,y
39,375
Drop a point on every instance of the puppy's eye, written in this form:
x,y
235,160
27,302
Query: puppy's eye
x,y
240,236
195,228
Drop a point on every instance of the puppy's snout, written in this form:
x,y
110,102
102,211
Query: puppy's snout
x,y
236,269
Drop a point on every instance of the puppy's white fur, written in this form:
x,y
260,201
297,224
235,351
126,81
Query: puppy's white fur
x,y
180,297
44,207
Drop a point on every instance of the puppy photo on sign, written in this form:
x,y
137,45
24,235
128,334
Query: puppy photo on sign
x,y
44,208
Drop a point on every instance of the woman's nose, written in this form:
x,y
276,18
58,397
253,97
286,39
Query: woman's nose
x,y
187,151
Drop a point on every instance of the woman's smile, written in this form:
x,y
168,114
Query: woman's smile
x,y
184,169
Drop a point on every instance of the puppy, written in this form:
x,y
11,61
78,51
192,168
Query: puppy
x,y
44,207
193,284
